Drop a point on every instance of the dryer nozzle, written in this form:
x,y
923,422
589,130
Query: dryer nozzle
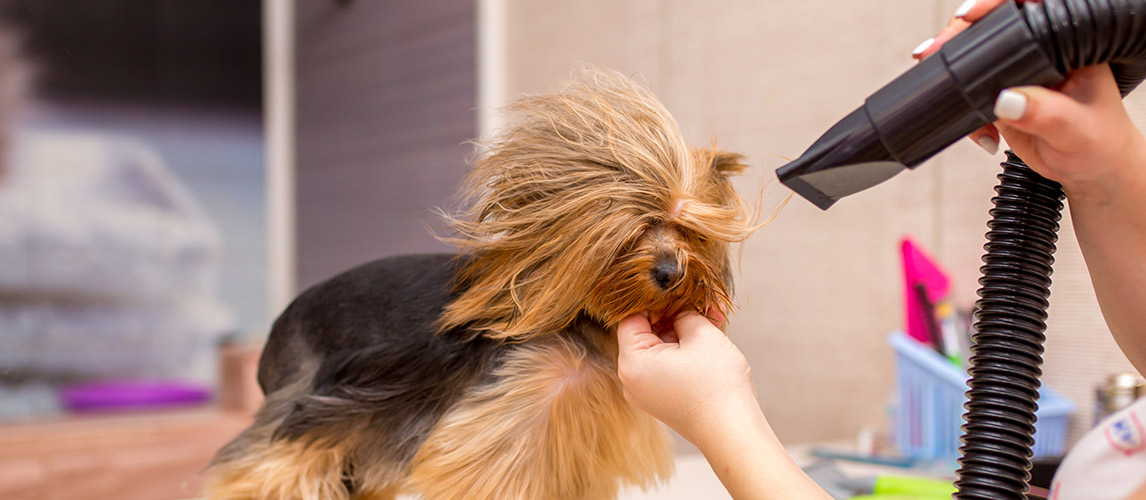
x,y
932,105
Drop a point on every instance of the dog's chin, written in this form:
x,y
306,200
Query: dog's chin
x,y
660,307
660,318
664,319
662,323
663,314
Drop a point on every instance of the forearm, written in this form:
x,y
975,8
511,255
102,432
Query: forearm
x,y
1110,223
750,460
1138,495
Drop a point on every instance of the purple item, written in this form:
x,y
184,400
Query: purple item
x,y
117,395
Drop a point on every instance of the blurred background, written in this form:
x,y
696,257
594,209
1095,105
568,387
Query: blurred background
x,y
173,172
134,226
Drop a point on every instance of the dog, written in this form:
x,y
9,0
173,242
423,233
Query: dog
x,y
491,373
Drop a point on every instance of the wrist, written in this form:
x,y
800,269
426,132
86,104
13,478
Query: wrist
x,y
727,420
1119,181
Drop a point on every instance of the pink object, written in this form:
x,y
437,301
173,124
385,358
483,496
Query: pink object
x,y
919,269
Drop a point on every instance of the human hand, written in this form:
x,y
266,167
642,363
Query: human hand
x,y
691,377
1078,134
687,376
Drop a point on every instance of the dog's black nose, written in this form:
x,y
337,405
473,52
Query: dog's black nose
x,y
666,272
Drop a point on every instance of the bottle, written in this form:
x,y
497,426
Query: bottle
x,y
1116,393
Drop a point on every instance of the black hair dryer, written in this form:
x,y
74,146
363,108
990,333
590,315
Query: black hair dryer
x,y
942,99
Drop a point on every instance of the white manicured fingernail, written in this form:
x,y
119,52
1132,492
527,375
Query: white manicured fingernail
x,y
1011,105
991,146
922,47
965,8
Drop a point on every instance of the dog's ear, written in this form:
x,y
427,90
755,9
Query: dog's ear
x,y
723,162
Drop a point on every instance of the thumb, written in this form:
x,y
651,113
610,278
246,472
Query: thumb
x,y
634,333
1049,115
691,327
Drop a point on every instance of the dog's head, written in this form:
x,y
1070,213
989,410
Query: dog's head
x,y
593,204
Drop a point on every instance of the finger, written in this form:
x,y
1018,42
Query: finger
x,y
634,333
716,316
931,46
966,14
987,138
974,10
690,326
1022,143
1052,116
923,49
1093,85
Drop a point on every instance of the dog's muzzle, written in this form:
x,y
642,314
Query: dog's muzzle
x,y
666,272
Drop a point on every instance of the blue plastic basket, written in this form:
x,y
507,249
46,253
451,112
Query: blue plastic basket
x,y
929,405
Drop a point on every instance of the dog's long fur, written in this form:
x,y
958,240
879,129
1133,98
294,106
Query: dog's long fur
x,y
491,374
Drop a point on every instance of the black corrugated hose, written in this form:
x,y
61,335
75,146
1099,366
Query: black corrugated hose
x,y
1006,351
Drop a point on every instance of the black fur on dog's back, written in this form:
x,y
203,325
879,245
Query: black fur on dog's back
x,y
380,372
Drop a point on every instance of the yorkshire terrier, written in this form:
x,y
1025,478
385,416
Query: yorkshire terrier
x,y
491,374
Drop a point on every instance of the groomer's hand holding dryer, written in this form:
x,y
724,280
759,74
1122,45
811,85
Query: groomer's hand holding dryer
x,y
1079,134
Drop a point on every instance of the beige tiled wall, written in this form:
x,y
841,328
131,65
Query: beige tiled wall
x,y
819,291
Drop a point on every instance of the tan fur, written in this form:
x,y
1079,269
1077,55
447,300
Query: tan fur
x,y
558,207
386,493
303,469
282,470
555,427
255,467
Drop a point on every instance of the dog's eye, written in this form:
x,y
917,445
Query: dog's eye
x,y
698,237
